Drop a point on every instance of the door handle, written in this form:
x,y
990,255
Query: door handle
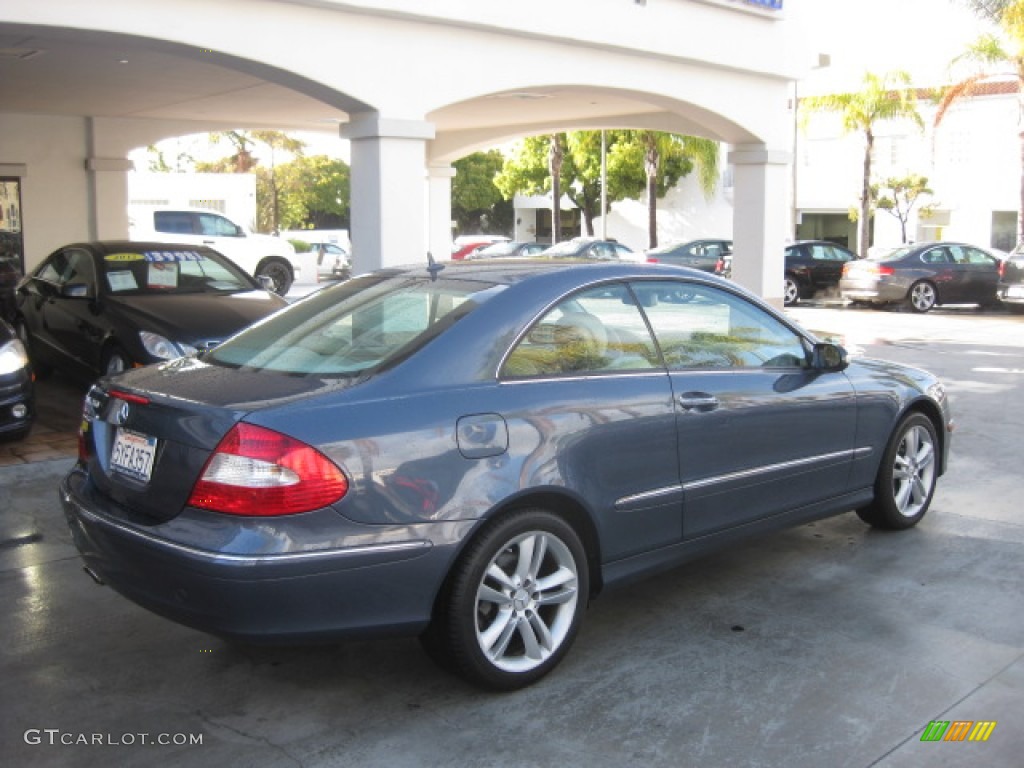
x,y
697,401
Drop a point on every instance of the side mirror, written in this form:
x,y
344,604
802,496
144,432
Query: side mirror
x,y
829,357
266,281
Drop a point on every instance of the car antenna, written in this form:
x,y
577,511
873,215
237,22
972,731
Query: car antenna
x,y
433,267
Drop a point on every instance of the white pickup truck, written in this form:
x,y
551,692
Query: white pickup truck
x,y
259,255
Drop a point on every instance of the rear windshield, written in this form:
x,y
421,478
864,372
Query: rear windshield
x,y
354,328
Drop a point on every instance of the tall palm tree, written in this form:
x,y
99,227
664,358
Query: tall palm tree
x,y
883,97
700,152
556,154
995,59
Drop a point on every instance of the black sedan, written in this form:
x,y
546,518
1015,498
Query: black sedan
x,y
17,400
101,307
924,275
472,452
813,266
705,255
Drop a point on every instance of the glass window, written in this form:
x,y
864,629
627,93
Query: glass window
x,y
217,226
699,326
70,266
974,256
170,270
365,324
599,330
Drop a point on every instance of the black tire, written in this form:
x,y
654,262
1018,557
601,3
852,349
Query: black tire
x,y
115,360
922,297
906,478
790,291
508,632
279,272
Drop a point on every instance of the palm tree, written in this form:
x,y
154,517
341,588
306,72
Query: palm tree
x,y
556,154
992,56
885,97
697,151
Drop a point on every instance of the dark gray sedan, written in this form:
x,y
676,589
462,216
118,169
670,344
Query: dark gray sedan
x,y
472,453
922,276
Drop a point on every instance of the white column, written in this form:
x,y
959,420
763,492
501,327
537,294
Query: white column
x,y
761,218
440,210
389,196
107,168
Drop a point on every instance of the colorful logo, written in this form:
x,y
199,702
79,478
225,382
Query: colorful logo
x,y
958,730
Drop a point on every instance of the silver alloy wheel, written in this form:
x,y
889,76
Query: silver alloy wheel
x,y
913,472
922,297
526,601
790,292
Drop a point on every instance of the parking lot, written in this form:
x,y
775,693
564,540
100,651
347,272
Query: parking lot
x,y
827,645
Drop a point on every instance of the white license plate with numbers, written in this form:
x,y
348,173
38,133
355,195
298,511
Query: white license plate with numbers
x,y
133,454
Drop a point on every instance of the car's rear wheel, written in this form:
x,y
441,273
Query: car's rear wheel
x,y
279,272
922,296
907,476
790,292
513,603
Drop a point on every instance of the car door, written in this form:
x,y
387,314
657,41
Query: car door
x,y
826,264
981,273
68,317
760,430
587,381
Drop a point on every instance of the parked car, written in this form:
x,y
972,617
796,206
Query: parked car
x,y
102,307
259,255
17,396
472,452
813,266
923,275
10,274
332,261
1010,290
706,255
592,248
466,245
512,249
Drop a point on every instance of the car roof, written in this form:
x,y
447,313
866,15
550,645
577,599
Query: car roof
x,y
131,246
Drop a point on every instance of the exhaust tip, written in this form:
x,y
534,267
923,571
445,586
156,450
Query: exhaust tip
x,y
93,575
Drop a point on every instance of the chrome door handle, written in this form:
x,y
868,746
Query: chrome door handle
x,y
697,401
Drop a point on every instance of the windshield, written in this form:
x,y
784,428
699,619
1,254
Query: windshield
x,y
171,271
889,254
361,325
498,249
565,248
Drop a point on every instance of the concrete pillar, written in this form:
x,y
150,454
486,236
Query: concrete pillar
x,y
389,195
107,167
761,218
440,210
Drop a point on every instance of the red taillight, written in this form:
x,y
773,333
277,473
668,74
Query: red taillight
x,y
256,471
128,397
651,260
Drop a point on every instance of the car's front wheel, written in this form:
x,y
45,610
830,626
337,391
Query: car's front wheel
x,y
279,272
514,602
115,360
906,478
922,296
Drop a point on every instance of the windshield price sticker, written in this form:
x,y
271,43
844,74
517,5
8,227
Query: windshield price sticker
x,y
133,454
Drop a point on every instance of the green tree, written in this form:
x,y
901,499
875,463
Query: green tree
x,y
477,204
308,193
885,97
527,171
994,57
900,195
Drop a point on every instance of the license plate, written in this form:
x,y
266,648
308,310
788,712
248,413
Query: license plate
x,y
133,454
1015,291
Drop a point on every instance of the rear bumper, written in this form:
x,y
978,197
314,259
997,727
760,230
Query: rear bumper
x,y
871,290
236,585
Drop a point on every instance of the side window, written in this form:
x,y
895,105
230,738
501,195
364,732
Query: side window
x,y
699,326
821,252
217,226
175,222
600,330
974,256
